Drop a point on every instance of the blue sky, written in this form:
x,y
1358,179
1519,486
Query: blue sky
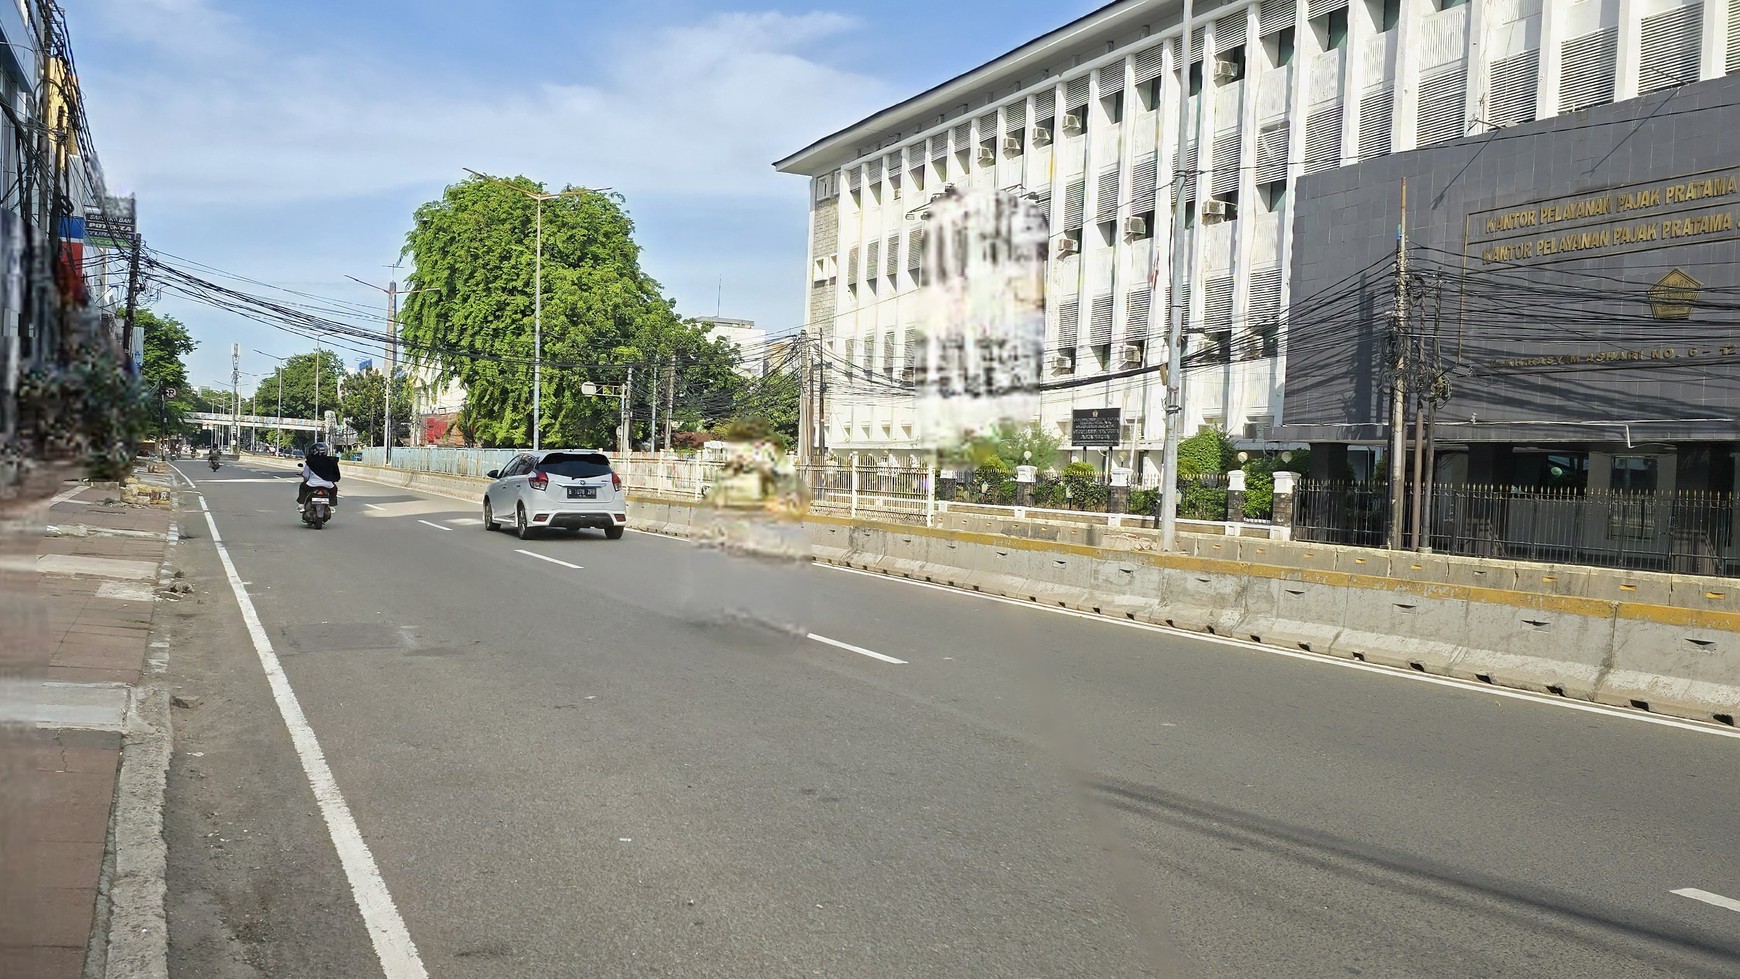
x,y
291,141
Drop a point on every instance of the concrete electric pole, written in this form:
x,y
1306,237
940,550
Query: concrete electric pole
x,y
1174,376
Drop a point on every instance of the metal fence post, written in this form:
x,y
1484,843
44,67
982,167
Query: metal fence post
x,y
930,493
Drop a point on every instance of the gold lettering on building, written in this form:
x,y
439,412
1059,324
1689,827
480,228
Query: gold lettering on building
x,y
1515,252
1631,234
1693,190
1510,221
1640,199
1574,210
1703,224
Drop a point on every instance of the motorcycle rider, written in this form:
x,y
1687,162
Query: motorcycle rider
x,y
319,468
212,456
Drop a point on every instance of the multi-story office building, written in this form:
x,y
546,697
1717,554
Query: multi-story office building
x,y
1084,119
751,342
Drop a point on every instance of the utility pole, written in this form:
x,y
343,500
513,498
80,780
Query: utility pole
x,y
393,293
235,396
670,400
1174,376
652,400
132,296
806,407
1399,384
623,433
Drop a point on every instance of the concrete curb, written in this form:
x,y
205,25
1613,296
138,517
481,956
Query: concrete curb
x,y
131,935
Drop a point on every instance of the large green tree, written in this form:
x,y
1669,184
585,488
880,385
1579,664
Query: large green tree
x,y
471,316
167,342
298,372
363,409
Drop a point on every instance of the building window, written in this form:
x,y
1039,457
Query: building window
x,y
1447,4
1387,14
1189,215
1633,474
1229,66
1229,205
1332,29
1274,195
916,179
1141,226
1281,47
1113,107
1196,78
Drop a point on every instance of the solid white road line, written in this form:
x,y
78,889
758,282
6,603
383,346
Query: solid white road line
x,y
392,940
860,650
435,525
1708,898
542,557
1322,658
375,506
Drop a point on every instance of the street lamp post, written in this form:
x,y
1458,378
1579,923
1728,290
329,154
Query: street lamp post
x,y
537,293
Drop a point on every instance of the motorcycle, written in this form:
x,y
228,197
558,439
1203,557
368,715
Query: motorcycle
x,y
318,510
214,463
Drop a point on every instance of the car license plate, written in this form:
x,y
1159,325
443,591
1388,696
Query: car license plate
x,y
582,492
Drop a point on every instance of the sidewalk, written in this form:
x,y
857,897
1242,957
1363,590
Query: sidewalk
x,y
76,608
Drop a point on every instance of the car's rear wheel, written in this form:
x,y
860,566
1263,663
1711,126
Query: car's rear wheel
x,y
489,517
614,533
521,528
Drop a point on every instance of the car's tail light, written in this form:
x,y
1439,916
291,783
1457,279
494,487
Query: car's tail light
x,y
616,482
539,480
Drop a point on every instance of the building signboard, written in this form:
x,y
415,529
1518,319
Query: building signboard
x,y
1095,427
1569,279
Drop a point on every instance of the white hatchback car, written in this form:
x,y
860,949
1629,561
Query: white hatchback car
x,y
565,488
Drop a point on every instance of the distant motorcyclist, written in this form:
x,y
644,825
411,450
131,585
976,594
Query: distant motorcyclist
x,y
319,469
212,457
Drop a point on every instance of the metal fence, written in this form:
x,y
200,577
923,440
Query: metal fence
x,y
1685,532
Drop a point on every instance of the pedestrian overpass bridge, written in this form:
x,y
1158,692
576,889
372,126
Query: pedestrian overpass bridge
x,y
206,419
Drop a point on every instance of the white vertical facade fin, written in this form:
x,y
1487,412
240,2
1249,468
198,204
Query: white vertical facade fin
x,y
1553,25
1409,31
1630,50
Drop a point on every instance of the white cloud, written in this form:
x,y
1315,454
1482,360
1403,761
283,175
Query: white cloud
x,y
213,115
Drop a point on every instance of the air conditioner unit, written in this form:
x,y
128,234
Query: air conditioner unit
x,y
1011,146
1213,210
1135,227
1062,363
1072,125
1130,355
1041,135
1226,71
987,156
1067,246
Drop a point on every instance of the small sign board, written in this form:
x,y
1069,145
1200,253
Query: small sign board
x,y
1095,426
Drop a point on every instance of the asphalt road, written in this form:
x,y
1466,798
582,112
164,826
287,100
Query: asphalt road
x,y
618,765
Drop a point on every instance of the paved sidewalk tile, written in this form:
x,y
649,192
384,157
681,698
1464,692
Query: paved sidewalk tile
x,y
66,619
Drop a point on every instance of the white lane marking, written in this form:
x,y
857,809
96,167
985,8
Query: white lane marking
x,y
467,521
392,940
375,506
435,525
1321,658
543,557
857,649
1708,898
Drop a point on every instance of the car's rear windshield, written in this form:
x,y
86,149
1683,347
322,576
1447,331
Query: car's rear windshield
x,y
575,465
